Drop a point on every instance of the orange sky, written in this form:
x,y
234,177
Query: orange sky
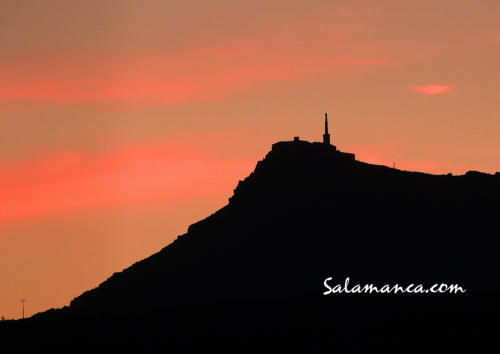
x,y
122,122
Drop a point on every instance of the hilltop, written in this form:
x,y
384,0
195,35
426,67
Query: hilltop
x,y
253,272
309,212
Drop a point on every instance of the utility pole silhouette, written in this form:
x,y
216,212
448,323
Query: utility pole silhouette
x,y
23,301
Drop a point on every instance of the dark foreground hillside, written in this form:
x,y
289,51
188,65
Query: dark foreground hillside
x,y
254,271
314,324
307,213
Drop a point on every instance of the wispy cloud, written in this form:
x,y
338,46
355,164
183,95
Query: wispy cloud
x,y
431,89
144,78
59,181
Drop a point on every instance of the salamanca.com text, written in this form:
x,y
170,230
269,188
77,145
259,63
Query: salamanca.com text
x,y
412,288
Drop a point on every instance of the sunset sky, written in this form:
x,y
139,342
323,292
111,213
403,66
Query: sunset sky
x,y
123,122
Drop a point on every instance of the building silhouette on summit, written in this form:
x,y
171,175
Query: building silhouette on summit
x,y
326,144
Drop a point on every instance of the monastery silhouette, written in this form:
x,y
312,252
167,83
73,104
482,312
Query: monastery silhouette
x,y
303,144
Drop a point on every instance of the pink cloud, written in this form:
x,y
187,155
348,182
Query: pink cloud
x,y
431,89
144,78
58,181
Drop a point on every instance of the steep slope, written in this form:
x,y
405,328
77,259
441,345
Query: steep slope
x,y
308,212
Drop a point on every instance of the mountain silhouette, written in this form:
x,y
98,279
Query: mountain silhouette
x,y
252,274
309,212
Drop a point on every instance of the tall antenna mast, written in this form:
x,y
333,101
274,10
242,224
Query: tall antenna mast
x,y
326,136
